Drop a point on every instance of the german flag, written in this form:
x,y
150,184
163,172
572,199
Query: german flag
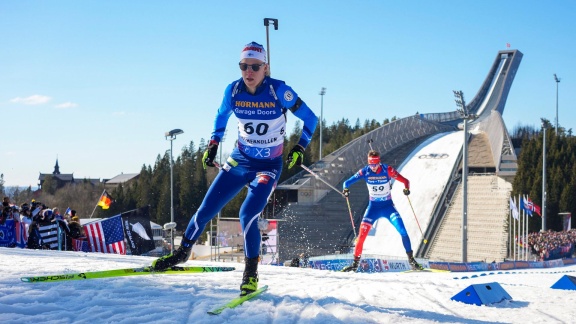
x,y
105,200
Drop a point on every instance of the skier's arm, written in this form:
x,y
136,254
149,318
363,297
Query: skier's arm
x,y
397,176
290,100
352,179
224,113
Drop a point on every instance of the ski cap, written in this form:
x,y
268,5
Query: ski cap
x,y
253,50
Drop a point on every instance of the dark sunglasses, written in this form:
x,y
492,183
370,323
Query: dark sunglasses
x,y
374,165
254,67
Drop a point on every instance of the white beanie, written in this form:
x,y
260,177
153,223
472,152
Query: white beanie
x,y
253,50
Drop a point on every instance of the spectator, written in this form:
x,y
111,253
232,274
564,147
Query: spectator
x,y
34,238
6,214
76,229
65,240
48,229
57,215
25,215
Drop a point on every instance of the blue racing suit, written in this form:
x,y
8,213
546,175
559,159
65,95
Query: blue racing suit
x,y
381,204
257,159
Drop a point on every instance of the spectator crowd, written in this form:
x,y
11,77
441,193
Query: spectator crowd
x,y
551,245
35,226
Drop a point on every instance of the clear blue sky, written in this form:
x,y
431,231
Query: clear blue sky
x,y
98,83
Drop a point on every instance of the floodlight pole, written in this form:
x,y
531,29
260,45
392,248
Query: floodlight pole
x,y
171,136
557,82
267,22
466,116
544,126
322,93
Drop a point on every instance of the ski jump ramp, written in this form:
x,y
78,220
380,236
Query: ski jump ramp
x,y
430,166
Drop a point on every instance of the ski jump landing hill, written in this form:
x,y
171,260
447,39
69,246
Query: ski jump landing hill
x,y
427,149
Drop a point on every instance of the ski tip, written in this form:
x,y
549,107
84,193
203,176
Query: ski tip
x,y
237,301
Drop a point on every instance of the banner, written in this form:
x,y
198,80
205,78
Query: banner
x,y
7,238
138,231
49,233
106,235
566,221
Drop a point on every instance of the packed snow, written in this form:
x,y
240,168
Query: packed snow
x,y
296,295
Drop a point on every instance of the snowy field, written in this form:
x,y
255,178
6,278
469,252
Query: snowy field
x,y
296,295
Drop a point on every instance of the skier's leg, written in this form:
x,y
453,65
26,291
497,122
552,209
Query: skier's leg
x,y
223,189
369,216
396,220
258,192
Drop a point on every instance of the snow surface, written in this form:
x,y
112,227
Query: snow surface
x,y
296,295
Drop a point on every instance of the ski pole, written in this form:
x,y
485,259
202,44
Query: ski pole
x,y
320,178
338,191
351,218
370,143
267,22
425,240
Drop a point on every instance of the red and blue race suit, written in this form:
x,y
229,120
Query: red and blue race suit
x,y
381,204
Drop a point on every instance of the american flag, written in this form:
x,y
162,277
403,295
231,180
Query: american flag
x,y
80,245
106,236
21,234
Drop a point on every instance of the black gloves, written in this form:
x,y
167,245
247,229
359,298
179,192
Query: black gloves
x,y
406,191
346,192
210,154
296,156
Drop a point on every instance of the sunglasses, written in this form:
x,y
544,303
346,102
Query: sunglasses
x,y
374,165
254,67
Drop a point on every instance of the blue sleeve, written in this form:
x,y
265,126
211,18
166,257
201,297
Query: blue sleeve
x,y
352,179
224,113
289,99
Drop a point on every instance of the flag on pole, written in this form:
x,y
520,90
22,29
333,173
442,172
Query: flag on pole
x,y
526,205
138,230
514,209
68,211
105,200
106,236
530,207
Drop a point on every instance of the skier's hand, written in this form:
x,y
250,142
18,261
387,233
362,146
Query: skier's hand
x,y
346,192
210,154
406,191
296,156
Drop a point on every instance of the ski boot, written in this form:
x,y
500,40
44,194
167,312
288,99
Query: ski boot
x,y
181,255
353,267
415,265
250,278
